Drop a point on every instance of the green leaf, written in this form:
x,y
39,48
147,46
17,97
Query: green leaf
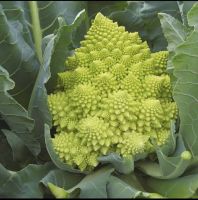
x,y
152,23
174,31
117,188
14,114
20,151
94,184
57,191
125,166
21,23
169,166
132,180
4,174
6,158
56,160
182,187
130,17
38,108
63,179
192,16
49,11
105,7
17,55
25,183
142,17
11,111
40,10
185,92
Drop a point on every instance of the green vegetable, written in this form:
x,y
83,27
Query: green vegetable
x,y
57,191
186,155
116,97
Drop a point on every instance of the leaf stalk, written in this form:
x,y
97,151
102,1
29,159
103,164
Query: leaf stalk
x,y
36,28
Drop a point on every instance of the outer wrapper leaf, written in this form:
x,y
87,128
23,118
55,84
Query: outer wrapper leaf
x,y
142,17
171,163
174,31
62,179
49,11
185,91
117,188
94,184
192,16
11,111
17,55
19,149
24,183
184,186
124,166
16,117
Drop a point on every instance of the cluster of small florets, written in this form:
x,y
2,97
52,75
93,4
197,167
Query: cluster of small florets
x,y
116,97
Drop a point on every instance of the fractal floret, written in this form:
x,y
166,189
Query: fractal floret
x,y
114,96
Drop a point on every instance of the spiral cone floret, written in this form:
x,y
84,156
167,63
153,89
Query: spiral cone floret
x,y
95,133
70,150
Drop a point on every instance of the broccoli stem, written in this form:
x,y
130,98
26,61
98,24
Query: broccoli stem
x,y
36,28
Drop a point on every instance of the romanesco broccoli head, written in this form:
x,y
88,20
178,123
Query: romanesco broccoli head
x,y
115,97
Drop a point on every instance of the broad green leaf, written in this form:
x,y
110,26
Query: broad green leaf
x,y
182,187
11,111
125,166
63,179
169,166
20,151
152,23
49,11
57,191
184,7
192,16
17,55
132,180
185,92
130,17
105,7
6,158
94,184
4,174
174,165
53,155
45,14
25,183
142,17
38,108
117,188
22,27
16,117
174,31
